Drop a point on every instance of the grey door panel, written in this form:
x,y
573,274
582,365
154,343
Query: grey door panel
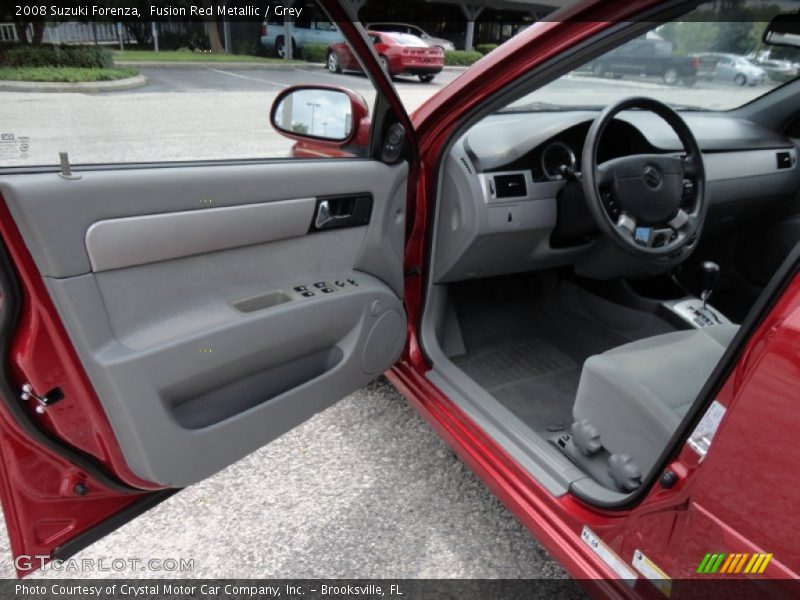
x,y
129,241
177,287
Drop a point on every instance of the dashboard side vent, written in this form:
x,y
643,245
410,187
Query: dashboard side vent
x,y
466,165
510,186
784,160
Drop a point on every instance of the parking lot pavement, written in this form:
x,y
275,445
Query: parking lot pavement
x,y
364,489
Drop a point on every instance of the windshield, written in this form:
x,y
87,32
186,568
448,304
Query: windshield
x,y
406,39
711,59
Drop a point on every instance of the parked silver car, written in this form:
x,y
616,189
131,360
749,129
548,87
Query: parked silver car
x,y
736,69
413,30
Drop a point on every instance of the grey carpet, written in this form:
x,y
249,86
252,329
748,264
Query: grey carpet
x,y
527,340
533,379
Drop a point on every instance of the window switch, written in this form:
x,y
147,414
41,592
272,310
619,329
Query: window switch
x,y
308,294
339,283
327,290
300,288
320,284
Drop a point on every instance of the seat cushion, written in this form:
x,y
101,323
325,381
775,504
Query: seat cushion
x,y
637,394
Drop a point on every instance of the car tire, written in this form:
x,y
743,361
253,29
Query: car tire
x,y
670,76
426,78
333,63
740,79
384,64
280,48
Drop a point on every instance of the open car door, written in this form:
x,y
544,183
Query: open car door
x,y
159,322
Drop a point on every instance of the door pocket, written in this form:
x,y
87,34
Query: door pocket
x,y
235,397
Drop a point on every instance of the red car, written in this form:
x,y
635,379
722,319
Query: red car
x,y
537,278
398,54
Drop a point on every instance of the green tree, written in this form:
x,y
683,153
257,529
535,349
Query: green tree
x,y
689,37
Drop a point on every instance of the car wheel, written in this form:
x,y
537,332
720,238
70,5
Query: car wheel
x,y
384,62
670,76
426,78
740,79
333,63
280,48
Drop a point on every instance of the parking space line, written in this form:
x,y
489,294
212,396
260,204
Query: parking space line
x,y
240,76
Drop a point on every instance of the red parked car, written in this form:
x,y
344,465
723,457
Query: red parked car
x,y
536,276
398,54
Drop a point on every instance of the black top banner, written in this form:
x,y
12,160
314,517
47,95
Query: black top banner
x,y
409,11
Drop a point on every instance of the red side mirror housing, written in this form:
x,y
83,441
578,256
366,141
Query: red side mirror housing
x,y
323,120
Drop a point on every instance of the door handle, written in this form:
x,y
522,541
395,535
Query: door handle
x,y
342,211
325,218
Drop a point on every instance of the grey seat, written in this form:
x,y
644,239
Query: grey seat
x,y
637,394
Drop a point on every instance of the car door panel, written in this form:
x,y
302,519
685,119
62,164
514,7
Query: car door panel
x,y
176,287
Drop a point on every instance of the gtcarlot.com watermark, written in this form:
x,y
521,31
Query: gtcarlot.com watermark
x,y
26,562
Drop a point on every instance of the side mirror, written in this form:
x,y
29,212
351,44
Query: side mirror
x,y
783,30
329,116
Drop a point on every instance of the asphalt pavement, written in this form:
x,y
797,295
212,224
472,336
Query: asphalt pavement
x,y
364,489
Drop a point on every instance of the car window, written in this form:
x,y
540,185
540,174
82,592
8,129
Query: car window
x,y
679,63
217,110
406,39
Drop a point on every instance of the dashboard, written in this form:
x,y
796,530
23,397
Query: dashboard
x,y
512,201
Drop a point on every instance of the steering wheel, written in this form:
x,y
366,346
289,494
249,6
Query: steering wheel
x,y
641,201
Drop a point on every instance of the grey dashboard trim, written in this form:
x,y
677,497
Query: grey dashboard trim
x,y
522,132
129,241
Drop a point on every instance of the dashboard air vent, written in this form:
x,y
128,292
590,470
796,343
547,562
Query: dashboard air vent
x,y
510,186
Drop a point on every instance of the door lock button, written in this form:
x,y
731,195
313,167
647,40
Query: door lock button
x,y
321,284
300,288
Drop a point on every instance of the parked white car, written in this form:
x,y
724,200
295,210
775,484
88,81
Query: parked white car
x,y
736,69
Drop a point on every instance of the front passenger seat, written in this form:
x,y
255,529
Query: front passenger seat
x,y
636,395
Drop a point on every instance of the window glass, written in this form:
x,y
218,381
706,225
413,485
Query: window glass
x,y
219,109
709,59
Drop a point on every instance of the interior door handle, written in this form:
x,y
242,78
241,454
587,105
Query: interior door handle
x,y
326,218
342,211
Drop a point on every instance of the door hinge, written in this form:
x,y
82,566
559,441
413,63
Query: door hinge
x,y
42,402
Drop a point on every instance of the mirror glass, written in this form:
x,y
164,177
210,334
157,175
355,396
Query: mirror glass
x,y
320,113
784,30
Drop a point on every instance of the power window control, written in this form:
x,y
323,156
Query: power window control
x,y
327,290
340,283
352,281
300,288
321,284
308,294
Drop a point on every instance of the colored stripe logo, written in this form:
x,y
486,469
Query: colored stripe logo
x,y
731,564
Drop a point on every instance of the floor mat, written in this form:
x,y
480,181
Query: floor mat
x,y
526,344
533,379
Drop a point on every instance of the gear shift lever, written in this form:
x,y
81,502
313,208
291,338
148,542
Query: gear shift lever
x,y
710,278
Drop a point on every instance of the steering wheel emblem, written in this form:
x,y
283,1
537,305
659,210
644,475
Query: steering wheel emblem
x,y
652,176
